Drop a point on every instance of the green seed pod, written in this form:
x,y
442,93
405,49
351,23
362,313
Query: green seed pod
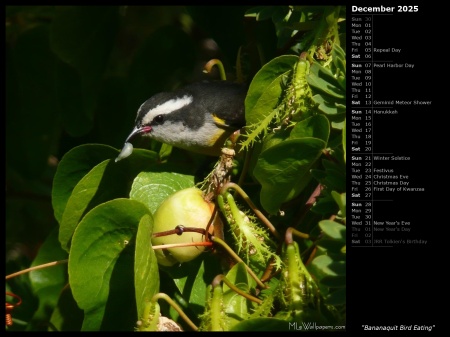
x,y
301,101
298,287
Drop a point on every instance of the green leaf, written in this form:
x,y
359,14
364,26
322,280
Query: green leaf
x,y
152,188
66,316
235,305
146,274
335,111
316,126
108,180
333,230
341,201
191,280
322,80
47,283
283,170
266,89
72,168
326,265
101,264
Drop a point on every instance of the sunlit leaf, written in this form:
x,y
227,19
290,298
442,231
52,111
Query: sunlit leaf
x,y
146,274
152,188
108,180
236,306
72,168
101,264
265,89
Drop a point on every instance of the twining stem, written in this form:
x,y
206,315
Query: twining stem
x,y
215,62
179,230
311,251
238,259
166,298
222,278
291,231
252,206
187,244
41,266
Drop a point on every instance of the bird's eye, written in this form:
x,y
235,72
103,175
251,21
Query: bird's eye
x,y
158,119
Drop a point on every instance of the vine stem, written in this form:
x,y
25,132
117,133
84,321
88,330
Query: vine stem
x,y
188,244
41,266
215,62
250,203
222,278
166,298
238,259
292,231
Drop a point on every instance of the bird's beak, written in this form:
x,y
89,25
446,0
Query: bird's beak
x,y
138,131
128,147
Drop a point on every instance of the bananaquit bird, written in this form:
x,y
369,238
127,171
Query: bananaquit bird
x,y
198,117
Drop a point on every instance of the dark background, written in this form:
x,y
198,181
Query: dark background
x,y
401,285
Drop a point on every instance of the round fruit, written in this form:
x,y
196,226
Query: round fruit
x,y
185,208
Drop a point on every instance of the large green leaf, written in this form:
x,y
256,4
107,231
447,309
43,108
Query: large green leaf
x,y
266,88
146,275
108,180
316,126
283,170
152,188
101,264
72,168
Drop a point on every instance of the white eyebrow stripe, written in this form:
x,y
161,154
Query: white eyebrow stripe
x,y
167,107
